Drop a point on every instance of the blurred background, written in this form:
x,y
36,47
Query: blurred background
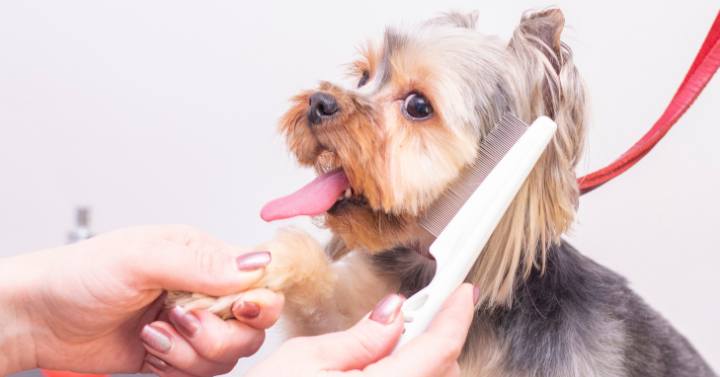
x,y
166,112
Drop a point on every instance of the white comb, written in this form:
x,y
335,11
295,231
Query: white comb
x,y
466,215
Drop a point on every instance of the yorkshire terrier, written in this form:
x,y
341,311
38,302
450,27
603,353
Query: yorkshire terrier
x,y
386,149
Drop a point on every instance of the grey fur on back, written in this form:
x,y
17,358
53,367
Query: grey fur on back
x,y
577,318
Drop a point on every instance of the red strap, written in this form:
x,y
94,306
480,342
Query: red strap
x,y
703,68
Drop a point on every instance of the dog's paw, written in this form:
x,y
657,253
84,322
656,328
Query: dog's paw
x,y
299,269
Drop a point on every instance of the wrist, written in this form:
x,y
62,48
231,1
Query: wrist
x,y
17,345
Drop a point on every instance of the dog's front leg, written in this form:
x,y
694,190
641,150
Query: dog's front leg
x,y
357,287
320,295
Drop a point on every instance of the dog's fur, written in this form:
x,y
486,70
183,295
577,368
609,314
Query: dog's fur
x,y
544,309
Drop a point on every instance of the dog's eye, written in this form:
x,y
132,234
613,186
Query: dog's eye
x,y
364,79
417,107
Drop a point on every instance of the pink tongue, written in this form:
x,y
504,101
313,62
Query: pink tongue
x,y
313,199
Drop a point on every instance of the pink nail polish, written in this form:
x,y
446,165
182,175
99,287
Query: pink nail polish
x,y
387,309
156,338
186,322
156,362
247,309
253,261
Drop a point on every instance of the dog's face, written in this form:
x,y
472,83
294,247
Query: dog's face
x,y
387,147
410,124
404,132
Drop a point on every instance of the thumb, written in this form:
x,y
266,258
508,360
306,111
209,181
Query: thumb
x,y
184,259
370,340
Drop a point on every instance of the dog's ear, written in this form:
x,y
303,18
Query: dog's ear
x,y
543,29
552,83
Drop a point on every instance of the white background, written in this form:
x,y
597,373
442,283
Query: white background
x,y
165,112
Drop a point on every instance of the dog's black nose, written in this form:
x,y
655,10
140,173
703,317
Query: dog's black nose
x,y
322,107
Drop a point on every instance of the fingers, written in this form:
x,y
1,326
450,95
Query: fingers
x,y
435,352
167,349
182,258
258,308
224,341
199,343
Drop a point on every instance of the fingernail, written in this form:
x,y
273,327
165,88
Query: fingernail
x,y
253,261
156,362
156,338
387,309
476,294
247,309
184,321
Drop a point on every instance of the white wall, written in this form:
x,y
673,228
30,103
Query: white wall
x,y
165,112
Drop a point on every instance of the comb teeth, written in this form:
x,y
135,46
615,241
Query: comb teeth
x,y
492,149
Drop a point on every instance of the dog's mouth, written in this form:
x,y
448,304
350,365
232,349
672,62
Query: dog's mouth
x,y
328,193
348,199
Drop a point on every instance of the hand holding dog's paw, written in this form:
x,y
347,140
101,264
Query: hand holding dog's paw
x,y
293,264
97,306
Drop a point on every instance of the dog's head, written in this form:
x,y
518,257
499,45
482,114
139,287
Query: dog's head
x,y
424,98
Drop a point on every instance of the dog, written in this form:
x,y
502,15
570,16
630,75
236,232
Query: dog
x,y
388,147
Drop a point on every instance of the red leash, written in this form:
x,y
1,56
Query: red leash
x,y
702,70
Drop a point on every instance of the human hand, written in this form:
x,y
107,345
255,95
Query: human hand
x,y
97,306
365,349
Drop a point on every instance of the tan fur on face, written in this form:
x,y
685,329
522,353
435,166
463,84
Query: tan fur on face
x,y
385,156
354,141
346,141
423,157
401,166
